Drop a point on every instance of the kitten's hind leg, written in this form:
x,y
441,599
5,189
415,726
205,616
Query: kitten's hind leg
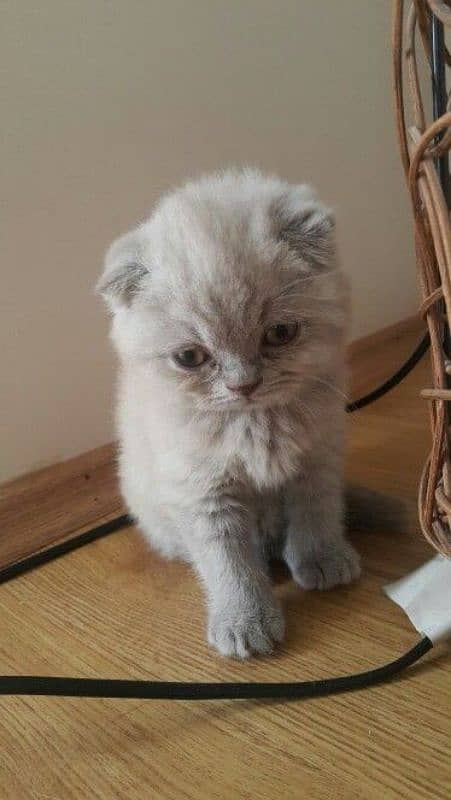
x,y
315,548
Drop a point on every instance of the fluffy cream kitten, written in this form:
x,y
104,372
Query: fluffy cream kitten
x,y
229,317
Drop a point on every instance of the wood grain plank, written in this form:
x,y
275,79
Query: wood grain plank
x,y
57,502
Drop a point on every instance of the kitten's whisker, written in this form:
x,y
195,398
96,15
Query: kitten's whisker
x,y
331,386
310,415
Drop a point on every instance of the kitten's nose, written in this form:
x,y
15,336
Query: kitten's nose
x,y
245,389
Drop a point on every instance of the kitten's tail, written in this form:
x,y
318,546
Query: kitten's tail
x,y
369,511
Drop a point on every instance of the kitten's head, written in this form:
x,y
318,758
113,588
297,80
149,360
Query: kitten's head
x,y
230,291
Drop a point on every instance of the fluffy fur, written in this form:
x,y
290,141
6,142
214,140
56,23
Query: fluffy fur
x,y
217,477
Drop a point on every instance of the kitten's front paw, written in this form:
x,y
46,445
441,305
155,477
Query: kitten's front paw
x,y
250,627
333,566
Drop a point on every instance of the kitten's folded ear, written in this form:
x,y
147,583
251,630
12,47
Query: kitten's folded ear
x,y
307,226
124,270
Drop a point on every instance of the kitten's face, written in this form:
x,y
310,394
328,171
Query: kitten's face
x,y
225,306
253,346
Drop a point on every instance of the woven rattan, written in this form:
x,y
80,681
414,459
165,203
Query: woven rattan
x,y
422,142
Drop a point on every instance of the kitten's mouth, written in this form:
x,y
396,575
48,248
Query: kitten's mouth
x,y
237,403
257,400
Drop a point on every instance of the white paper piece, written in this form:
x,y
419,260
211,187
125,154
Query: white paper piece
x,y
425,596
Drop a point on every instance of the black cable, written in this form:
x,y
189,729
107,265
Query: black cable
x,y
175,690
169,690
61,549
395,379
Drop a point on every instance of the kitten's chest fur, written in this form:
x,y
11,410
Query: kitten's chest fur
x,y
265,446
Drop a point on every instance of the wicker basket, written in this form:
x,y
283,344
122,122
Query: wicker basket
x,y
423,144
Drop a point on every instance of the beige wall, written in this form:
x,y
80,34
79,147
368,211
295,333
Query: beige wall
x,y
105,103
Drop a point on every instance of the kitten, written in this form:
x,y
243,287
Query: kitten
x,y
229,317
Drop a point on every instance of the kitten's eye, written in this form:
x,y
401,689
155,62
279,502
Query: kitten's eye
x,y
281,334
191,358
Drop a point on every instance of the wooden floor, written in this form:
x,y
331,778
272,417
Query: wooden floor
x,y
114,609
